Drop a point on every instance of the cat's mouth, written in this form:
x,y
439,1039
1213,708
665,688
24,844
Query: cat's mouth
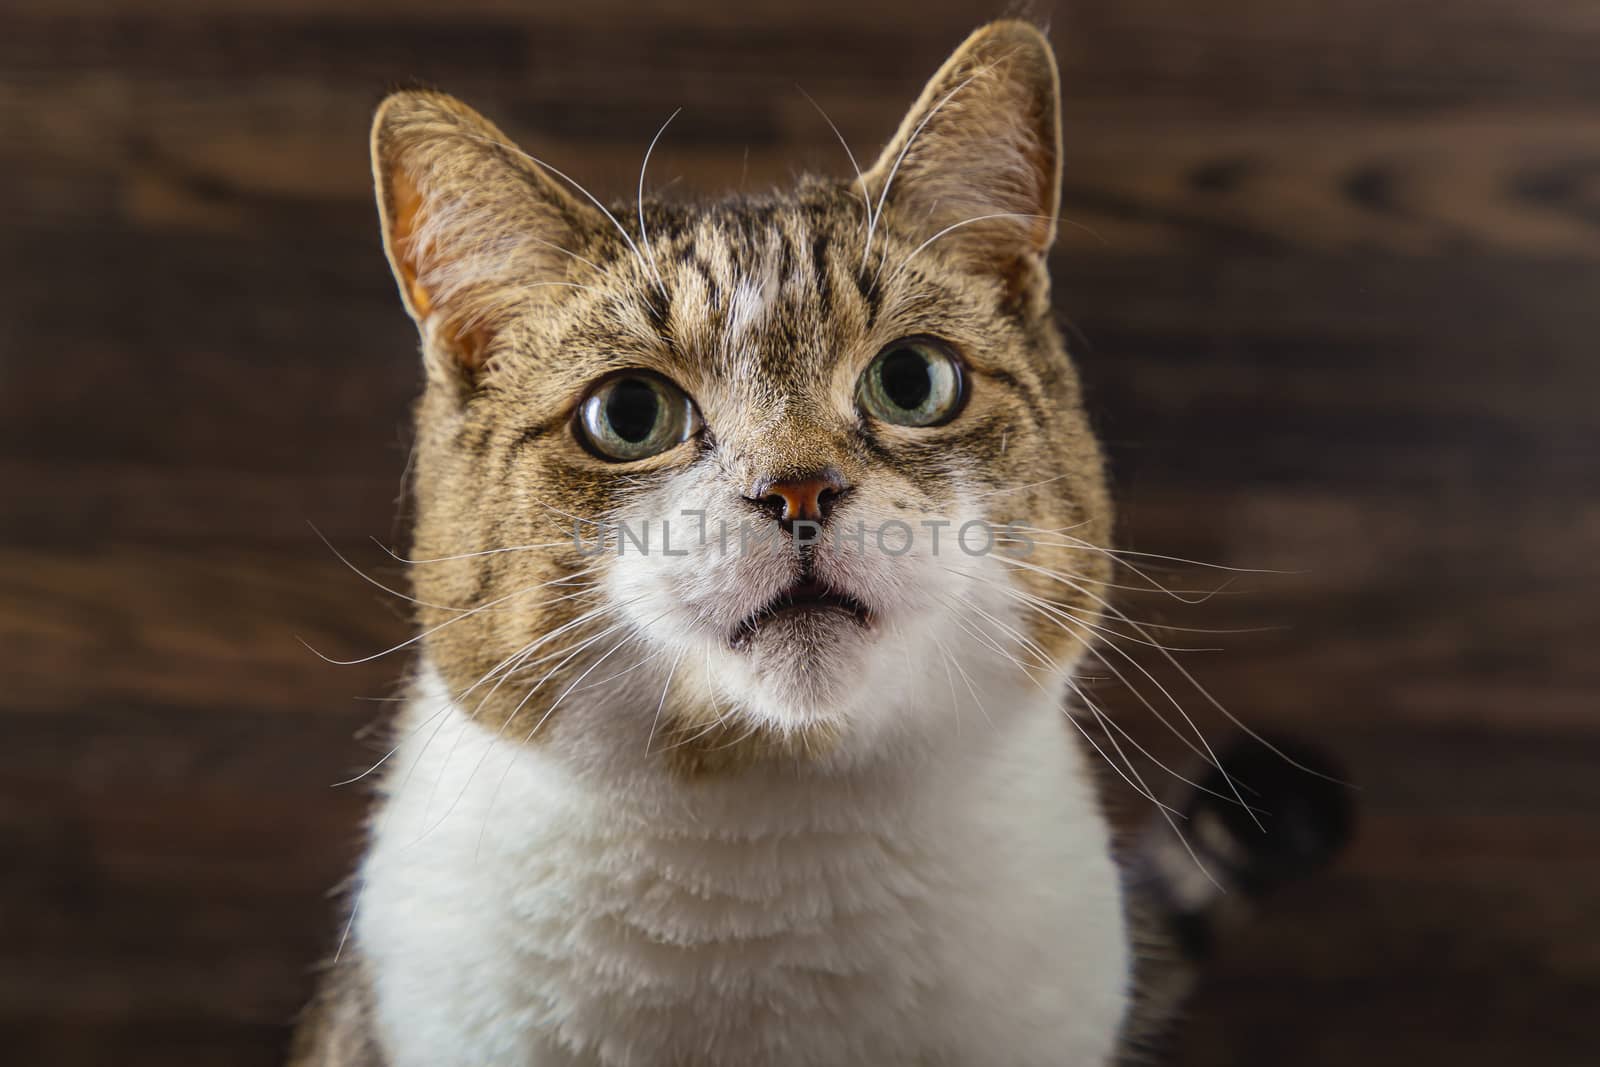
x,y
802,600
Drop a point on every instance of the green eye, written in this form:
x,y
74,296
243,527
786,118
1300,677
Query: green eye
x,y
913,382
636,415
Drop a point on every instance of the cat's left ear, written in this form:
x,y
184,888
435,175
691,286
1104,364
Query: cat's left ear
x,y
976,163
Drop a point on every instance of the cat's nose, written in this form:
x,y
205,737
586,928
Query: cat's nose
x,y
807,497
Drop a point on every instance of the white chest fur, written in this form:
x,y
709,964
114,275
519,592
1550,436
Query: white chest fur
x,y
963,911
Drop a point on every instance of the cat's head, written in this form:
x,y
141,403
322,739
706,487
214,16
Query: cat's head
x,y
623,406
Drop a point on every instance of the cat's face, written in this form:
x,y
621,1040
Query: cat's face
x,y
776,472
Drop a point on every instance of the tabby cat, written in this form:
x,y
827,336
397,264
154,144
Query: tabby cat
x,y
756,545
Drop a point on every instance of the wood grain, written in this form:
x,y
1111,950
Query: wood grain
x,y
1332,274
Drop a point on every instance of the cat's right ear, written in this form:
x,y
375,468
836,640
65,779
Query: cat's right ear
x,y
474,230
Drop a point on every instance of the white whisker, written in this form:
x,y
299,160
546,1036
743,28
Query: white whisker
x,y
1118,553
883,194
665,686
418,637
956,226
1030,485
644,236
469,555
1166,812
861,181
364,576
572,182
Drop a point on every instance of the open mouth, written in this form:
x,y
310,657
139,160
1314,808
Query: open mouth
x,y
799,599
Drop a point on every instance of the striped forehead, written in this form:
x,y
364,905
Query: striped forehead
x,y
753,294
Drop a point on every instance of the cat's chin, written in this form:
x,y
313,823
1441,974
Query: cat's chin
x,y
807,654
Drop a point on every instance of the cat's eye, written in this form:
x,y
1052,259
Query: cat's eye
x,y
915,381
636,415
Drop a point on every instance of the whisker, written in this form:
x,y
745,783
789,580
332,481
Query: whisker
x,y
749,732
1041,663
469,555
955,705
1107,605
883,194
719,717
1166,813
866,194
1206,693
1060,618
572,182
1062,607
600,523
1027,643
1207,754
1028,674
1118,553
505,669
1072,582
967,679
1093,649
904,263
495,796
499,734
1030,485
418,637
373,581
564,693
1185,596
566,252
397,747
644,235
608,679
1126,736
665,686
1190,597
446,706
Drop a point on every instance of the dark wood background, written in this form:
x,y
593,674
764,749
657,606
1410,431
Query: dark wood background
x,y
1335,274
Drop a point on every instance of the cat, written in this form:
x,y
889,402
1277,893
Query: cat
x,y
811,799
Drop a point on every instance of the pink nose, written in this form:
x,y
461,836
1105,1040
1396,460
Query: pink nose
x,y
807,498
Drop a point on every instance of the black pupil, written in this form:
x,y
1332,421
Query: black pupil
x,y
907,378
632,409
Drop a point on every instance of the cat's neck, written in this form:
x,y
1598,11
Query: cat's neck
x,y
845,912
447,767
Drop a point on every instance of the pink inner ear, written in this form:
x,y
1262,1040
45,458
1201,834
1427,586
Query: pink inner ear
x,y
469,347
405,203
